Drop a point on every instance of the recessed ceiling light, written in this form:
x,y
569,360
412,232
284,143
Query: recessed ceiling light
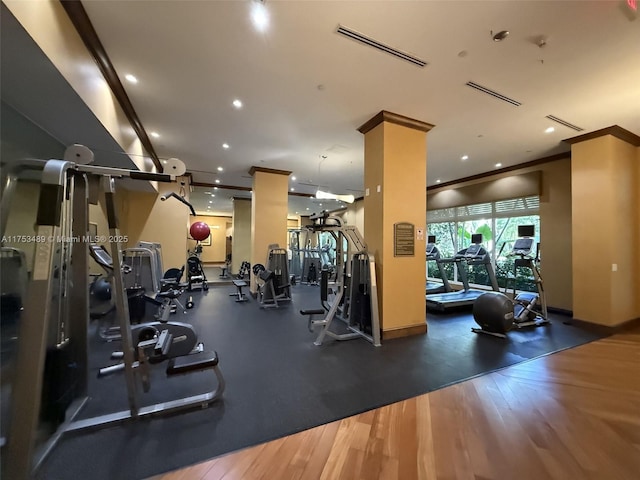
x,y
217,181
293,178
498,165
438,181
210,201
549,130
293,189
155,134
464,157
259,16
320,204
213,194
307,208
215,188
220,169
130,78
225,145
237,103
207,193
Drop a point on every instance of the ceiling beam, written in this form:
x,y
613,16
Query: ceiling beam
x,y
244,189
78,16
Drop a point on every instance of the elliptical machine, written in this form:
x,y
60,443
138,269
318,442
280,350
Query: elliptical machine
x,y
497,313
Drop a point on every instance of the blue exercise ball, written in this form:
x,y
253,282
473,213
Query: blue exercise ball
x,y
102,289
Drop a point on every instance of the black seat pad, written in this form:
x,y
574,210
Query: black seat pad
x,y
239,283
315,311
191,363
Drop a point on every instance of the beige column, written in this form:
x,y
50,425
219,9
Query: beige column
x,y
241,241
605,191
395,180
269,207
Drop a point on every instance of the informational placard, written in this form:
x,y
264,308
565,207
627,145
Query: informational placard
x,y
403,239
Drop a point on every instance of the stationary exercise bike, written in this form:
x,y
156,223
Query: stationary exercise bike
x,y
497,313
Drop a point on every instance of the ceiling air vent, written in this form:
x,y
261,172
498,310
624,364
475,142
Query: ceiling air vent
x,y
565,123
359,37
497,95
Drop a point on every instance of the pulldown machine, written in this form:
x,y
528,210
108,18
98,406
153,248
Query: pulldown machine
x,y
56,312
353,298
274,284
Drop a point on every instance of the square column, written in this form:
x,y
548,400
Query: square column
x,y
395,211
241,242
269,208
605,191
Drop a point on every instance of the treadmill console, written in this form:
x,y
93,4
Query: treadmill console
x,y
474,250
522,247
432,250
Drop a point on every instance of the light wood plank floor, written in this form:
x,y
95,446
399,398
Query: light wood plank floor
x,y
571,415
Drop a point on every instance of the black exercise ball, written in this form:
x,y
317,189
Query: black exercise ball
x,y
493,311
102,289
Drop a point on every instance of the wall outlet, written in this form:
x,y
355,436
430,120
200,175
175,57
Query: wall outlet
x,y
366,192
614,267
378,188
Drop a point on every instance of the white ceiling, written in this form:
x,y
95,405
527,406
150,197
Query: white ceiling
x,y
307,89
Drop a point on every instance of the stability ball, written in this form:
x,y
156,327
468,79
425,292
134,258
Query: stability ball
x,y
199,231
102,289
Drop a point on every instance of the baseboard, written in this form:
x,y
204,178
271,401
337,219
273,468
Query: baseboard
x,y
605,329
404,332
561,311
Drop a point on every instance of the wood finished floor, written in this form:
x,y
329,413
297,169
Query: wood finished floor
x,y
571,415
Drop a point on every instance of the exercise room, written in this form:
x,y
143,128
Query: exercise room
x,y
272,239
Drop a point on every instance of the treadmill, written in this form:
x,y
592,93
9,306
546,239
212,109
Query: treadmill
x,y
475,254
433,254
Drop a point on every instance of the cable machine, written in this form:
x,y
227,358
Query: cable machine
x,y
56,313
355,299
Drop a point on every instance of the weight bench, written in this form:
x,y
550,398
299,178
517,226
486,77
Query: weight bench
x,y
241,297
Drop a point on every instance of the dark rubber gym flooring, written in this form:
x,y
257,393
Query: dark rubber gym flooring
x,y
279,383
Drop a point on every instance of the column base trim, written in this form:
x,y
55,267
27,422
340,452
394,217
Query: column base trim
x,y
405,332
605,329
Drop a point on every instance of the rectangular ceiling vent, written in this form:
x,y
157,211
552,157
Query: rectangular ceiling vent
x,y
493,93
565,123
359,37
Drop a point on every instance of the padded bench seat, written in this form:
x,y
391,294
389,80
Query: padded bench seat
x,y
192,363
240,297
314,311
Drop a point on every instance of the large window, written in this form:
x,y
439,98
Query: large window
x,y
498,223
